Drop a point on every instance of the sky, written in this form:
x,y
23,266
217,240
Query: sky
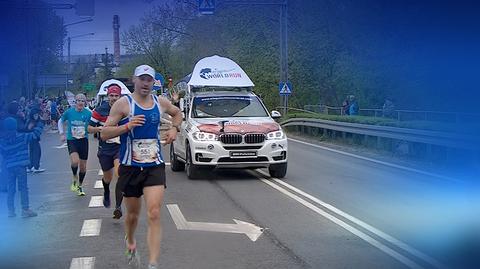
x,y
129,11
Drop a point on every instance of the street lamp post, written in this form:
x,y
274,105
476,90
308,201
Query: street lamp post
x,y
74,23
77,22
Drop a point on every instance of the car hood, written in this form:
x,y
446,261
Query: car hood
x,y
242,126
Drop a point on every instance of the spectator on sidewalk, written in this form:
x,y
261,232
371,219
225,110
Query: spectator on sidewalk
x,y
35,150
388,108
54,114
353,107
15,111
3,171
14,145
345,107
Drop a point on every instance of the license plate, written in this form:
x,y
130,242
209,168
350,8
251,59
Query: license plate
x,y
240,154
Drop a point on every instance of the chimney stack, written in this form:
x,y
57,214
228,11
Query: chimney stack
x,y
116,40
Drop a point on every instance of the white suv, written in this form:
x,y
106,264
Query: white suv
x,y
228,129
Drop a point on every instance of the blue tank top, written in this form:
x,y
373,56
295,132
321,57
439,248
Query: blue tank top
x,y
141,146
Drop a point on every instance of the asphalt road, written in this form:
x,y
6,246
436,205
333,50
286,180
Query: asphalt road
x,y
331,211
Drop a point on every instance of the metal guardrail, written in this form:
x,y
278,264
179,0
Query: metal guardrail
x,y
399,114
412,135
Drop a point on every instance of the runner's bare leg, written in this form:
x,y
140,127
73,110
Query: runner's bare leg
x,y
154,199
133,206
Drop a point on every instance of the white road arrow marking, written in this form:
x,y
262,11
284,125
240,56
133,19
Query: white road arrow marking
x,y
240,227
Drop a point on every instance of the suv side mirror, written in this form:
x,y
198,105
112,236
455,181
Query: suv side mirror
x,y
182,107
181,104
275,114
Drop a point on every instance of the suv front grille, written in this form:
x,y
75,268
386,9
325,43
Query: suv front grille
x,y
254,138
231,138
238,138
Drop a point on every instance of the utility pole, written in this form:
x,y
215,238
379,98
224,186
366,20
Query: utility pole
x,y
284,51
69,40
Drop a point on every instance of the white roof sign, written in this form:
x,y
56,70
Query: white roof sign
x,y
219,71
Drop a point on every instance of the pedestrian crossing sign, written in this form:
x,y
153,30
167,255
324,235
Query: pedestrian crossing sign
x,y
285,88
206,7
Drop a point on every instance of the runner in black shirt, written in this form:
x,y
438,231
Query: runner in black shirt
x,y
108,150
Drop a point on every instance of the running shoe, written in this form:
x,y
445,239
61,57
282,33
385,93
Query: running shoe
x,y
117,213
28,213
29,170
39,170
133,260
80,191
106,200
74,186
152,266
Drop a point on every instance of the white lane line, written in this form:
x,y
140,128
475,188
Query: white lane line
x,y
83,263
91,227
96,201
98,184
362,224
379,162
399,257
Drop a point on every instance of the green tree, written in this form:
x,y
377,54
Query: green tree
x,y
83,72
105,71
31,44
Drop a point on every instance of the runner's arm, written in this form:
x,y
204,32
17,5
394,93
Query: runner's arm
x,y
94,125
94,129
171,110
60,126
119,110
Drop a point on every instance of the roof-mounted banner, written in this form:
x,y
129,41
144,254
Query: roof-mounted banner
x,y
219,71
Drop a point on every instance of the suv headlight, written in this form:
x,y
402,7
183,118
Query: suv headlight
x,y
202,136
277,135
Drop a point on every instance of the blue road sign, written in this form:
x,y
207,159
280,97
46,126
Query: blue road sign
x,y
206,7
159,82
285,88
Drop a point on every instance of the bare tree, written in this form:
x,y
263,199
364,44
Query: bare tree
x,y
159,33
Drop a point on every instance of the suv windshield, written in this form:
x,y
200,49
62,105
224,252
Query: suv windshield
x,y
227,106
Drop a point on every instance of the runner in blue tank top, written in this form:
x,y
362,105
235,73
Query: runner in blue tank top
x,y
136,120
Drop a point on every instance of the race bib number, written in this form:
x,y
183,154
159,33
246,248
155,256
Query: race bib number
x,y
78,132
115,140
145,150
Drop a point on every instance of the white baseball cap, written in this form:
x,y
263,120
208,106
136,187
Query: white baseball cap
x,y
144,70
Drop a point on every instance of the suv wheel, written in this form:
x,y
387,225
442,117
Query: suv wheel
x,y
278,170
175,164
193,171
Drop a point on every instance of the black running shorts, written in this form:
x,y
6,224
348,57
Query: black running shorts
x,y
79,146
106,159
133,179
